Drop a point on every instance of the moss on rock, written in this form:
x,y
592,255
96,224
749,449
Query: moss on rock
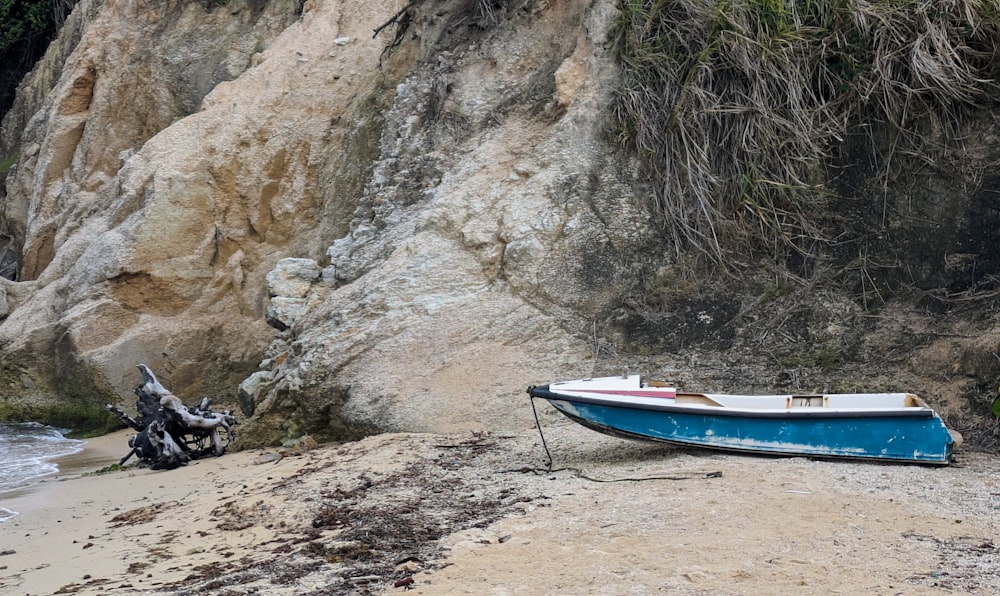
x,y
82,420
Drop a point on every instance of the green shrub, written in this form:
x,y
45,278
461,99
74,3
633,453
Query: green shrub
x,y
26,28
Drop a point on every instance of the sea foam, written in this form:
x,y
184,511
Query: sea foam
x,y
27,451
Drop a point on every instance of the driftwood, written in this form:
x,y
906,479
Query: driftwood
x,y
170,433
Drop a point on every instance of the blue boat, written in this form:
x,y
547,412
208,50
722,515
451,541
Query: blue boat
x,y
897,427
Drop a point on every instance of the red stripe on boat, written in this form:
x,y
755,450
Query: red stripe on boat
x,y
626,393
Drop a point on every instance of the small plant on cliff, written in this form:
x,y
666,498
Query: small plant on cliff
x,y
481,13
737,106
6,164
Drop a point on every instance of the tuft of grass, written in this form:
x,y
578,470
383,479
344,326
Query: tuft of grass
x,y
825,357
737,106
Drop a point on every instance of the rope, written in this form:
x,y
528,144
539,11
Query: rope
x,y
579,473
691,476
540,433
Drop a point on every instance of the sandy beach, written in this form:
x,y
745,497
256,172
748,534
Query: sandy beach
x,y
480,514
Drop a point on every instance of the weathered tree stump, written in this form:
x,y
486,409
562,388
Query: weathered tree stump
x,y
170,433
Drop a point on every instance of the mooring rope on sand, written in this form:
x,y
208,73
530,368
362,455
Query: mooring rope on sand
x,y
540,433
580,474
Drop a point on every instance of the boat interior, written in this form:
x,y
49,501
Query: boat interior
x,y
845,400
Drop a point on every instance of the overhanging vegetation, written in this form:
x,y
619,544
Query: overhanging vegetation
x,y
737,107
26,28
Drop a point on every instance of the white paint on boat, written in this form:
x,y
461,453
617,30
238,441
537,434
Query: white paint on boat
x,y
633,390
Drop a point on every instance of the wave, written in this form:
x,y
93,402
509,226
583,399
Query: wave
x,y
27,451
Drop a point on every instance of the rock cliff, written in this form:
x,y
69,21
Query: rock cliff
x,y
346,232
457,192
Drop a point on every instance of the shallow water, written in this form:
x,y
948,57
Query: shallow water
x,y
27,454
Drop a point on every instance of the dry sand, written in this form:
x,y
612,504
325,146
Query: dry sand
x,y
478,514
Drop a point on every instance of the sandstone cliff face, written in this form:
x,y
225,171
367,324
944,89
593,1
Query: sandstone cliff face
x,y
125,248
493,223
458,194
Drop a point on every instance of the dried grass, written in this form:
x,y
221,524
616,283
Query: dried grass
x,y
737,106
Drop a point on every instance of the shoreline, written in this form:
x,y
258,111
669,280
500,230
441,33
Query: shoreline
x,y
96,453
64,537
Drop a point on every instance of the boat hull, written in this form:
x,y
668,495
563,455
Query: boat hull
x,y
915,435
